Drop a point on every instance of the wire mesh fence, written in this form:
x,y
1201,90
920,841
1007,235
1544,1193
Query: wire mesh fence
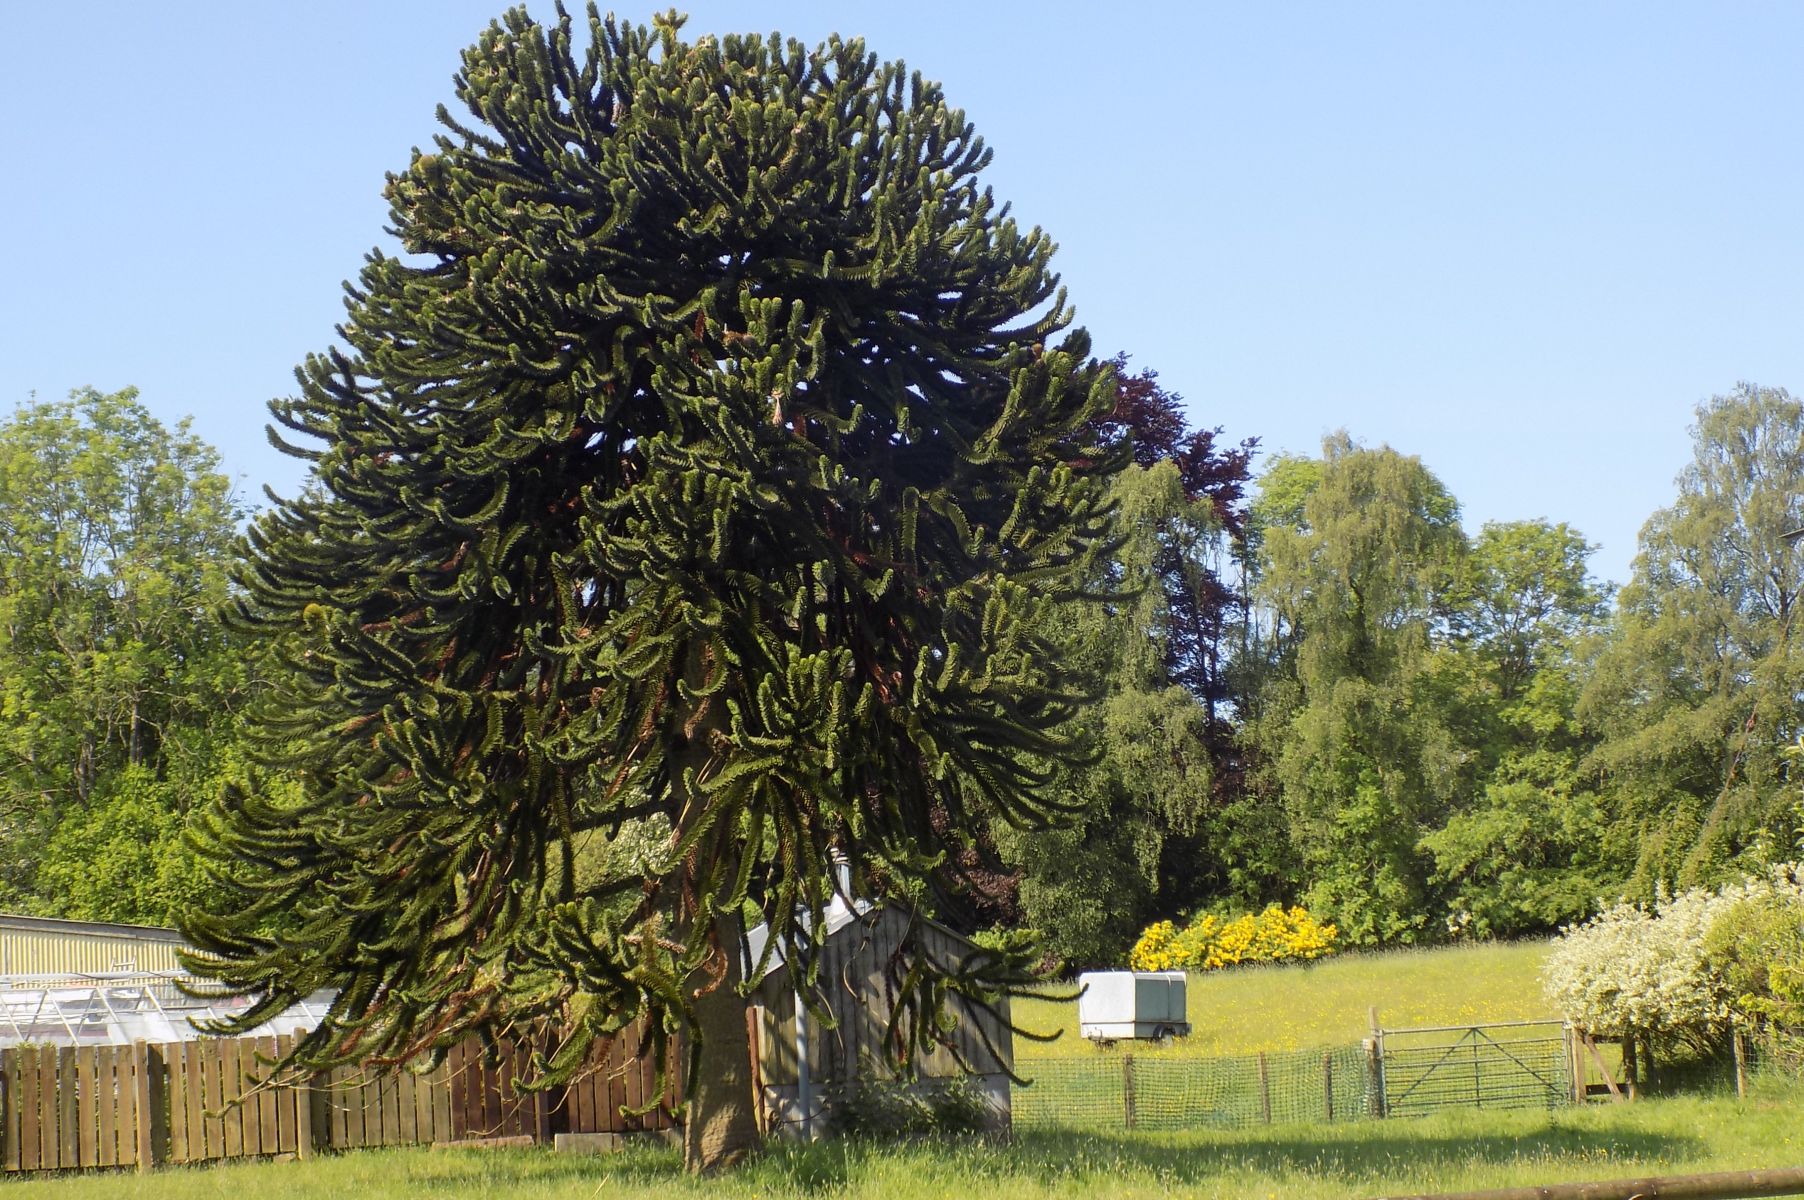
x,y
1169,1092
1401,1072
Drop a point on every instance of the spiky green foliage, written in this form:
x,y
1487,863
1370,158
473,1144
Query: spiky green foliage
x,y
698,483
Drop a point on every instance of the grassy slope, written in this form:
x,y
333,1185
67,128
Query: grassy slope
x,y
1251,1009
1456,1150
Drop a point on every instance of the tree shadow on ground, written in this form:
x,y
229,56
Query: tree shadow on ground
x,y
1361,1155
1370,1156
1367,1157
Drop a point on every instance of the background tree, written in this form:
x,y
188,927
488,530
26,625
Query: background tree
x,y
1088,887
1251,833
1353,735
709,465
1521,849
1162,650
116,679
1696,699
1280,502
1198,539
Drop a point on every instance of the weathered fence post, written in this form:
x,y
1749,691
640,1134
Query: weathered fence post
x,y
541,1118
9,1104
145,1103
159,1102
754,1040
1328,1085
1127,1090
1265,1089
303,1107
1375,1065
1739,1048
65,1105
303,1116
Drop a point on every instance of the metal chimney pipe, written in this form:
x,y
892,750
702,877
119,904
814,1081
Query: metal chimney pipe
x,y
842,876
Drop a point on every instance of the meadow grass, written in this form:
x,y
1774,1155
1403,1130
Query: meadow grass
x,y
1450,1151
1246,1010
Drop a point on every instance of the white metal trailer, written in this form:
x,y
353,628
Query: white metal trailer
x,y
1118,1005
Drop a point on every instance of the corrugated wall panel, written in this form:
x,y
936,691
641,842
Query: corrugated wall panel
x,y
36,952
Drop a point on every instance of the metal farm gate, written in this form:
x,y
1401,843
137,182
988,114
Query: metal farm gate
x,y
1515,1064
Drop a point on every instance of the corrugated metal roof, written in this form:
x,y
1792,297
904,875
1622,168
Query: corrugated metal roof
x,y
837,917
157,933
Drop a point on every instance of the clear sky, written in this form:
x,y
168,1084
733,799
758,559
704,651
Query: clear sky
x,y
1521,241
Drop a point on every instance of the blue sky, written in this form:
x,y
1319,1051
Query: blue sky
x,y
1520,241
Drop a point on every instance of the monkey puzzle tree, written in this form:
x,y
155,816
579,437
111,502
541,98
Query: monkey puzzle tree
x,y
697,482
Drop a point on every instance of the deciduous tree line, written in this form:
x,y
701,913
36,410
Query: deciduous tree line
x,y
1424,732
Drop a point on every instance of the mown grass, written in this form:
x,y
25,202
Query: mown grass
x,y
1452,1151
1246,1010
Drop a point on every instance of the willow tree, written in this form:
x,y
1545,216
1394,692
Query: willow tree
x,y
688,497
1351,731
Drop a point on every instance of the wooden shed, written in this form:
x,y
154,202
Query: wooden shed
x,y
865,952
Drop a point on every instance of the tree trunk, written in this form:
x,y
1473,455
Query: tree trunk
x,y
721,1127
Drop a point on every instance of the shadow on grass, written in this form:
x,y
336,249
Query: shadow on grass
x,y
1358,1155
1373,1154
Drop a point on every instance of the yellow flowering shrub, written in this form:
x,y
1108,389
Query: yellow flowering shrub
x,y
1208,943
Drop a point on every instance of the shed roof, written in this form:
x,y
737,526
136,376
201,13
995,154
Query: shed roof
x,y
838,916
113,929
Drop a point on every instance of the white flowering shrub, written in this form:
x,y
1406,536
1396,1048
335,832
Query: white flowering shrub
x,y
1634,970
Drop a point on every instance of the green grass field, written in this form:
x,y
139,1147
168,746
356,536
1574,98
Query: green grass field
x,y
1456,1150
1270,1009
1251,1009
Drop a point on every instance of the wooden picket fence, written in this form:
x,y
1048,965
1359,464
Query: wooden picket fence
x,y
84,1107
76,1107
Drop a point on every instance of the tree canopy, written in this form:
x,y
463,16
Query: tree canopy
x,y
118,684
1090,884
707,465
1696,699
1361,759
